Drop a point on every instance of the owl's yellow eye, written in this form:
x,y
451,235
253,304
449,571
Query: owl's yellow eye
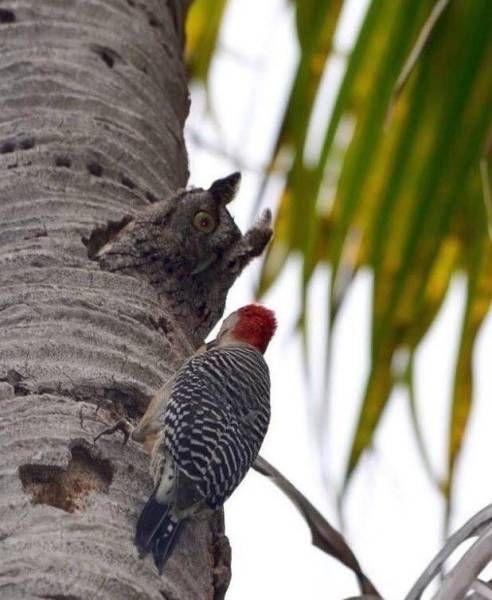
x,y
204,221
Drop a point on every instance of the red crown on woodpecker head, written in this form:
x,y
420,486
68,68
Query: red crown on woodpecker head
x,y
255,325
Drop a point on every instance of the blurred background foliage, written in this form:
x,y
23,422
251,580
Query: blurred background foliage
x,y
400,184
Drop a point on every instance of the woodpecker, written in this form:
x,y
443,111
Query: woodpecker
x,y
217,414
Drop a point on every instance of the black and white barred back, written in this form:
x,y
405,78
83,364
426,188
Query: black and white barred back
x,y
217,417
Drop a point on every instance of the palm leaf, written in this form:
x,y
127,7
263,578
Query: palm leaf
x,y
202,32
451,94
401,183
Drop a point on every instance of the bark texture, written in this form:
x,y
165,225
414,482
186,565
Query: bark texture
x,y
93,99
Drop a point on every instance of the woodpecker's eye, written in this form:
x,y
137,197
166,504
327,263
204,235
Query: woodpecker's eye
x,y
204,221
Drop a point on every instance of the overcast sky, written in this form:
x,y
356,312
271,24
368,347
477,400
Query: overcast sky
x,y
393,514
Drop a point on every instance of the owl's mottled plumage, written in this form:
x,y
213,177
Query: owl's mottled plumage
x,y
192,267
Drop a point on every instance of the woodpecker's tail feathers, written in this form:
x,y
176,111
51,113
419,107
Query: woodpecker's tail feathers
x,y
149,522
165,540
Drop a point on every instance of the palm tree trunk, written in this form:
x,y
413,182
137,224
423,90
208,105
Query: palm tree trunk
x,y
92,105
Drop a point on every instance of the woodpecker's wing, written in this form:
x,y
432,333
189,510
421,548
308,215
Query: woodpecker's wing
x,y
149,423
216,419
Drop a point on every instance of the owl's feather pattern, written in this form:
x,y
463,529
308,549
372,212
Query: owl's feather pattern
x,y
192,270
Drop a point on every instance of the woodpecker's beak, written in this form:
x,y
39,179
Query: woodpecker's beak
x,y
227,325
224,190
211,344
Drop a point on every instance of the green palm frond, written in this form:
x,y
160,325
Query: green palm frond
x,y
405,160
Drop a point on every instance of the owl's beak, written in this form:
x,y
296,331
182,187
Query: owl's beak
x,y
224,190
204,264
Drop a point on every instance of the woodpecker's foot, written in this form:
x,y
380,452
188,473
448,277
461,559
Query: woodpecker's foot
x,y
121,425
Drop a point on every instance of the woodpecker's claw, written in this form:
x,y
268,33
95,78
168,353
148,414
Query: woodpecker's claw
x,y
121,425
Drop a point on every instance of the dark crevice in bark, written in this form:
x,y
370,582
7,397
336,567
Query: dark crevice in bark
x,y
15,380
27,143
127,182
18,143
153,22
63,161
107,55
7,147
127,400
95,169
7,16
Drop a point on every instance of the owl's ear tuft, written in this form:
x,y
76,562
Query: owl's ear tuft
x,y
223,190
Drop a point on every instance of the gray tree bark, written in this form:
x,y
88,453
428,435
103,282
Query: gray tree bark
x,y
93,99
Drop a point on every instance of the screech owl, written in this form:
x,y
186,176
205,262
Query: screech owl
x,y
187,247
